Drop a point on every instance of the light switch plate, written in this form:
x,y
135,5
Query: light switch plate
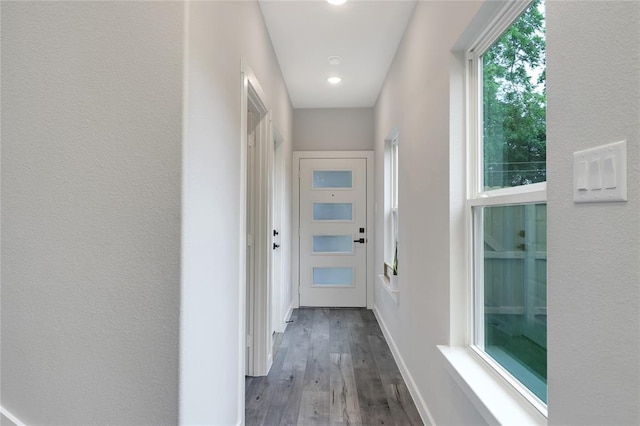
x,y
600,174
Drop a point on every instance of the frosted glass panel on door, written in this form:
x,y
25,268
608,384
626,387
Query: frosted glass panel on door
x,y
332,211
332,179
333,277
332,244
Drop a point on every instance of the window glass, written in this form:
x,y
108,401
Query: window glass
x,y
332,179
515,291
341,277
394,174
514,131
332,244
332,211
391,224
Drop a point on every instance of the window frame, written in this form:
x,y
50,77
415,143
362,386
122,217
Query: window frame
x,y
394,195
391,198
394,173
477,197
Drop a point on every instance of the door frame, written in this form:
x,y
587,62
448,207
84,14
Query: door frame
x,y
295,219
256,302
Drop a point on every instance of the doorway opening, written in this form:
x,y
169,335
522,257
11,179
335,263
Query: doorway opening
x,y
257,153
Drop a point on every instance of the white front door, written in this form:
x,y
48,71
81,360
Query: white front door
x,y
333,239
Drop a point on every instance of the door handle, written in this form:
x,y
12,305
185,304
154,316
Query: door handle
x,y
275,246
359,240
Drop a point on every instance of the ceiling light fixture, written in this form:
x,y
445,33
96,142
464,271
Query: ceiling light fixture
x,y
334,80
335,60
336,2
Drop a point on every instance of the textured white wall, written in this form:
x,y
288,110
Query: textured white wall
x,y
91,135
415,100
593,89
4,421
333,129
219,34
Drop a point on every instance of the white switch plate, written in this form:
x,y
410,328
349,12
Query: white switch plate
x,y
600,174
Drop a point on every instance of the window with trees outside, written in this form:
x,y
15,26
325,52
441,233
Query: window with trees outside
x,y
507,200
391,246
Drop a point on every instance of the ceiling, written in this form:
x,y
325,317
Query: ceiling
x,y
365,33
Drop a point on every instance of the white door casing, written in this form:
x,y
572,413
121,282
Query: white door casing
x,y
255,232
333,232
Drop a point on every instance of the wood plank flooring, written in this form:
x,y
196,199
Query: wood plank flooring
x,y
333,367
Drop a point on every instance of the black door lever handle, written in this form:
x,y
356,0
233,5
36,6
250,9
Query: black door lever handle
x,y
275,246
360,240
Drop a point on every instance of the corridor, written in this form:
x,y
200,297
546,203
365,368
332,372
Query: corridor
x,y
333,367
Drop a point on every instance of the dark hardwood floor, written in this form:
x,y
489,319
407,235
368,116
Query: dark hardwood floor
x,y
333,367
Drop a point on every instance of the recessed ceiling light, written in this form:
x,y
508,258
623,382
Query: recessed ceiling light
x,y
334,80
335,60
336,2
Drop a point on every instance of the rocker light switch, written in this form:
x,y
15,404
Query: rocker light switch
x,y
600,174
609,173
595,177
581,176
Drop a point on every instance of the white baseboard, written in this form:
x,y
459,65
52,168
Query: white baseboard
x,y
11,417
421,405
287,317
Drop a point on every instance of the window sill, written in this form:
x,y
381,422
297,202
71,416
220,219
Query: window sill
x,y
496,400
384,281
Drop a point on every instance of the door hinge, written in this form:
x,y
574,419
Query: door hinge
x,y
249,340
252,139
250,240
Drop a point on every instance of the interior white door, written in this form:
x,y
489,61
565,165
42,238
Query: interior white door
x,y
277,320
333,239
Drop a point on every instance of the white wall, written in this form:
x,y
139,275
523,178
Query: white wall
x,y
333,129
594,265
91,208
91,135
415,100
4,421
219,34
